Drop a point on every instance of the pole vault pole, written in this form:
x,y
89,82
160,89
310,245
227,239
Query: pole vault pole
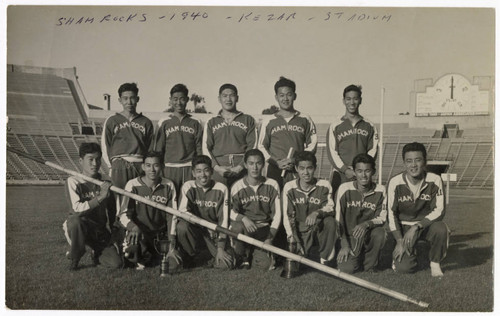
x,y
260,244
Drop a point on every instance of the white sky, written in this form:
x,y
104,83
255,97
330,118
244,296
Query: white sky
x,y
322,57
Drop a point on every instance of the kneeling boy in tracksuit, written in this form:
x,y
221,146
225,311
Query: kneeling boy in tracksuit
x,y
361,213
308,210
256,211
207,199
145,224
93,212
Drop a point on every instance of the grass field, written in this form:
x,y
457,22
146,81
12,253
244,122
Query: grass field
x,y
37,275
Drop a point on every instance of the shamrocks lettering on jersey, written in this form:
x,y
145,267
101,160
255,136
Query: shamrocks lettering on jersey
x,y
352,131
233,123
289,128
174,129
135,125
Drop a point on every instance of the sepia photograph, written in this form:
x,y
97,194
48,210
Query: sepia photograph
x,y
283,157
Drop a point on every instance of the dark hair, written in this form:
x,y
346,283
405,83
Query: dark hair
x,y
89,148
284,82
253,152
305,156
201,159
363,158
350,88
179,88
128,87
228,86
415,147
153,154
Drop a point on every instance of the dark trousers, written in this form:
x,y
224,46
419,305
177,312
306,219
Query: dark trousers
x,y
261,259
336,179
192,238
82,231
367,258
229,161
274,172
437,235
325,232
178,175
122,171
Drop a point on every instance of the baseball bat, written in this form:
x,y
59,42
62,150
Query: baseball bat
x,y
212,226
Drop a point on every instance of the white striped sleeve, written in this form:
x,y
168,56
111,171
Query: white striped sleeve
x,y
105,142
375,139
312,139
263,142
331,145
125,205
382,217
277,208
173,201
225,208
338,205
286,205
438,201
394,223
77,204
330,205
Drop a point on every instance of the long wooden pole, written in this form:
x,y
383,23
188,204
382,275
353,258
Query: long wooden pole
x,y
260,244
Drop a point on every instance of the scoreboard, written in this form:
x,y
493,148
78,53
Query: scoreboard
x,y
452,95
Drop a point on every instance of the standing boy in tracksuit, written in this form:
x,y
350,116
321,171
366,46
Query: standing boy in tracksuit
x,y
308,210
415,202
255,211
361,213
351,136
179,138
207,199
227,136
126,137
286,129
93,213
145,224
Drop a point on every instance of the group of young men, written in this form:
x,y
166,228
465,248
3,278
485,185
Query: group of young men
x,y
256,182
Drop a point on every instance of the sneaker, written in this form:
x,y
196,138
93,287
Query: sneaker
x,y
140,266
95,258
245,265
74,265
272,260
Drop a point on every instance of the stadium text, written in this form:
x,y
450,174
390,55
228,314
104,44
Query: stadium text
x,y
242,17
